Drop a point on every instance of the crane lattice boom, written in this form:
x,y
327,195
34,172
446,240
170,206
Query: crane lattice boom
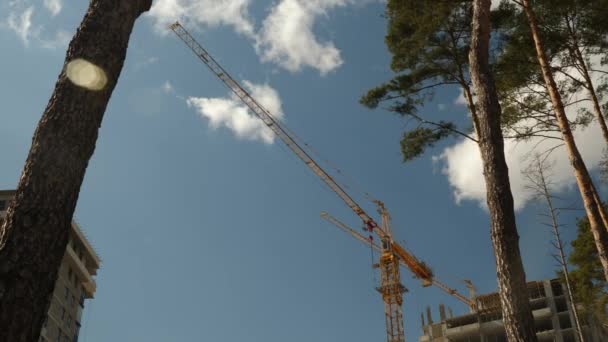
x,y
391,288
419,269
271,122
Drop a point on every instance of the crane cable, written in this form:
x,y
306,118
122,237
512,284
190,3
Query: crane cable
x,y
347,181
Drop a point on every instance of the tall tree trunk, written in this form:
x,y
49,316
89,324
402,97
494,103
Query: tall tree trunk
x,y
576,53
466,89
517,315
540,181
35,233
583,179
597,108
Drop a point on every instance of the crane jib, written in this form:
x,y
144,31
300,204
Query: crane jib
x,y
267,118
417,267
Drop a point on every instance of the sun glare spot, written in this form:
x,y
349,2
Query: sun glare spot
x,y
86,74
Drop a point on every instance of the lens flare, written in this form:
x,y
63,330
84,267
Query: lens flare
x,y
86,74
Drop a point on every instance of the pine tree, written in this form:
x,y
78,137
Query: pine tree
x,y
432,46
587,278
429,42
512,290
583,179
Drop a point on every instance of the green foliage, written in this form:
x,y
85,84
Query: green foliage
x,y
429,42
588,282
565,27
414,142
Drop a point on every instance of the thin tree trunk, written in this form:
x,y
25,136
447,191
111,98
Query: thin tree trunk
x,y
583,179
541,184
517,315
584,70
35,233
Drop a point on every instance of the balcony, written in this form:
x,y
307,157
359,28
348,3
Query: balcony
x,y
88,282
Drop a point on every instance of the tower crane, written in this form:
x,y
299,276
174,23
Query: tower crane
x,y
470,302
392,254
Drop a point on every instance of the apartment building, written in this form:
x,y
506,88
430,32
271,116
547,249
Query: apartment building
x,y
75,284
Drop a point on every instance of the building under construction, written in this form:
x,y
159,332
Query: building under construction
x,y
553,319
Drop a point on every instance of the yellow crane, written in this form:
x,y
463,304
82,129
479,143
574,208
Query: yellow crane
x,y
470,302
392,254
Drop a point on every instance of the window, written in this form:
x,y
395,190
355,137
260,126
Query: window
x,y
560,304
70,272
557,288
564,322
2,204
62,313
73,300
67,292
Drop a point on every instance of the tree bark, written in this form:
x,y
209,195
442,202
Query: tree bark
x,y
468,95
517,315
34,235
583,179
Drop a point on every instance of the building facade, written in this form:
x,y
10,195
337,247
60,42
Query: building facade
x,y
553,319
74,285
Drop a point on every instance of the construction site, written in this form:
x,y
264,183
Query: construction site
x,y
224,263
552,310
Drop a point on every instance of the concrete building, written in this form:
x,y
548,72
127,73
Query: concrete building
x,y
550,307
75,283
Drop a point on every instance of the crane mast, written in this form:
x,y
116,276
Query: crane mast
x,y
390,286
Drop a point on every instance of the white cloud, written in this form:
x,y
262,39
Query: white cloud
x,y
287,37
21,24
233,114
143,63
206,13
460,100
53,6
168,87
61,40
463,168
22,20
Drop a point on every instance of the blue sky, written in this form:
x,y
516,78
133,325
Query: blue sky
x,y
208,229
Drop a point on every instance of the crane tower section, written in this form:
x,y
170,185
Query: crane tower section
x,y
390,287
